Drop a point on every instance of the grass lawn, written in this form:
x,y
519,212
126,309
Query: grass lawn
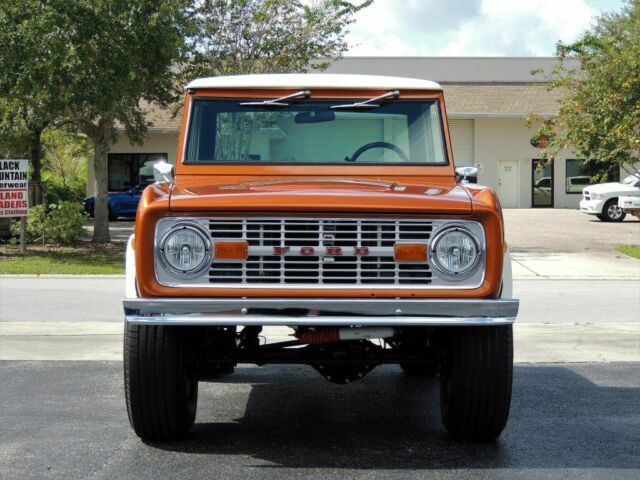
x,y
632,251
80,259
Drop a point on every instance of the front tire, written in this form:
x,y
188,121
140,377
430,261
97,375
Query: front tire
x,y
611,212
161,388
475,388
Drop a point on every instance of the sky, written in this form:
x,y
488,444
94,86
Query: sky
x,y
471,27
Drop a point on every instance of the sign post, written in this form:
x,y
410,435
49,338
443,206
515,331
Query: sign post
x,y
14,194
23,234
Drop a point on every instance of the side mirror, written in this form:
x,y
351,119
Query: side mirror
x,y
463,172
162,172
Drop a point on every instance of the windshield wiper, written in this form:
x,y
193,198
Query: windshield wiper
x,y
369,103
278,102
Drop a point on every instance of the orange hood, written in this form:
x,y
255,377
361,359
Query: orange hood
x,y
320,194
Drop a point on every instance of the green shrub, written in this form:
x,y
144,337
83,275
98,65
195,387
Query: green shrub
x,y
65,221
59,223
36,224
56,192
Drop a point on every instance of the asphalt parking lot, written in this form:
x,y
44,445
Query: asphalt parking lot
x,y
67,420
564,230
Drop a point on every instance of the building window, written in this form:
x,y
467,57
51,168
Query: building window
x,y
126,170
579,174
542,183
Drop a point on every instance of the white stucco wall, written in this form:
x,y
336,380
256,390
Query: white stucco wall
x,y
509,138
156,142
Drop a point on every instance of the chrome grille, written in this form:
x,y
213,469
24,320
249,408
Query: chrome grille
x,y
377,268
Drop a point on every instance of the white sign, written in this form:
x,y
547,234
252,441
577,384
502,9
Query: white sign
x,y
14,188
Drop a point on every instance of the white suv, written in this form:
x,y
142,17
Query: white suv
x,y
602,199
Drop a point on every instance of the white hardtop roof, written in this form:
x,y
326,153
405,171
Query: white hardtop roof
x,y
315,80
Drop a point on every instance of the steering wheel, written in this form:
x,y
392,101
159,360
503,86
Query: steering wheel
x,y
371,145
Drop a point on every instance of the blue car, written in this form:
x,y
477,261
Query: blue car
x,y
121,204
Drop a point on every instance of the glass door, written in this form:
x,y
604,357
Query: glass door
x,y
541,183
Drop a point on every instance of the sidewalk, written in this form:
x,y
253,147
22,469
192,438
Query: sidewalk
x,y
574,266
534,343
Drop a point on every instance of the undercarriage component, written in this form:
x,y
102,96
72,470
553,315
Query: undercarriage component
x,y
346,362
316,336
319,336
419,346
219,344
248,338
341,355
422,348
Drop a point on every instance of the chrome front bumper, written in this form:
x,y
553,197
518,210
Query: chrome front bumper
x,y
316,312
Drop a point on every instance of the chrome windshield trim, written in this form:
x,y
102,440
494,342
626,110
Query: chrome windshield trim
x,y
371,307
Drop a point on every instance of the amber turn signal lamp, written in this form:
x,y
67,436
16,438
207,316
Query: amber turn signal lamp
x,y
231,250
410,252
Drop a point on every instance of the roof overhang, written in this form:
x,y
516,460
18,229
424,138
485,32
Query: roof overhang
x,y
496,114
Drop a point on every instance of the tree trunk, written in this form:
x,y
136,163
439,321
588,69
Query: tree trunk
x,y
101,147
35,148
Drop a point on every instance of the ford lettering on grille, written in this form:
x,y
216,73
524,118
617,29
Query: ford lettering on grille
x,y
320,251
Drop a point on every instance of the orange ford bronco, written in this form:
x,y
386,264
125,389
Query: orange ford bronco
x,y
328,205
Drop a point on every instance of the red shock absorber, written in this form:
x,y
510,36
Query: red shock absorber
x,y
322,335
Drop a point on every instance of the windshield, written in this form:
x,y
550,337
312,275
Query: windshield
x,y
631,179
312,132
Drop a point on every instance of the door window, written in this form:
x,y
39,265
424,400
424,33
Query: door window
x,y
542,183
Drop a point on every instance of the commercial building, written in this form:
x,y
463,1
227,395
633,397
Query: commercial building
x,y
487,99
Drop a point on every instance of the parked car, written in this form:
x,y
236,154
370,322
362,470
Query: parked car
x,y
630,205
121,204
602,199
291,206
578,183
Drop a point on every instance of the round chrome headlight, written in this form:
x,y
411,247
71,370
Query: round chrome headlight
x,y
185,249
455,252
